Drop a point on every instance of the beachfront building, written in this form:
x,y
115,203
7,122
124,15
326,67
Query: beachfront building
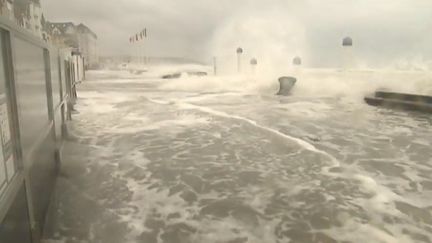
x,y
62,35
22,13
80,38
35,20
6,9
26,13
87,42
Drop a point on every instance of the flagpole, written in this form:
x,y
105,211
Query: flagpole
x,y
144,47
135,39
142,54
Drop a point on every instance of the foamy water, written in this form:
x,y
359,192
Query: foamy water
x,y
221,159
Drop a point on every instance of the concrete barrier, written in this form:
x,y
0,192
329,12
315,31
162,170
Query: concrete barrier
x,y
403,101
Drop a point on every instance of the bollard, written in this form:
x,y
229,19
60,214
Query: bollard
x,y
286,85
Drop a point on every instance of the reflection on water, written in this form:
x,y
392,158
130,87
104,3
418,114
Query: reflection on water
x,y
165,166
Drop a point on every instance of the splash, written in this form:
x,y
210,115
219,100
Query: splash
x,y
273,37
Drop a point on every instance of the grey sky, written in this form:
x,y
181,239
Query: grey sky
x,y
384,31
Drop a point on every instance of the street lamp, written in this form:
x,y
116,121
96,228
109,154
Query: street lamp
x,y
297,61
348,57
253,63
239,53
347,42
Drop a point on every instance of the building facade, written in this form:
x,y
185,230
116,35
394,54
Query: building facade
x,y
7,9
28,15
35,20
79,38
87,42
62,34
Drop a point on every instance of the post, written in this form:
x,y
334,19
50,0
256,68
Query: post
x,y
239,53
253,63
297,61
214,66
348,57
144,58
85,69
144,47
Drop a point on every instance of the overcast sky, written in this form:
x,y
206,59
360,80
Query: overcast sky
x,y
384,31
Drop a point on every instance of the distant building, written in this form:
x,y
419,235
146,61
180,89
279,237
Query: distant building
x,y
87,42
62,35
28,14
78,37
35,11
22,13
7,9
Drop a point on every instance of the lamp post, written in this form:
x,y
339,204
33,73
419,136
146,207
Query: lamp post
x,y
214,66
348,57
297,61
239,53
253,63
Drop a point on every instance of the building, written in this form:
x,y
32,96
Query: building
x,y
62,35
6,9
87,42
22,13
32,133
79,38
35,21
27,14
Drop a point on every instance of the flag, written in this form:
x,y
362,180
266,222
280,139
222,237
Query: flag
x,y
145,33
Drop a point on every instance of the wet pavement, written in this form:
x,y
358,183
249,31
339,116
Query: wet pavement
x,y
148,163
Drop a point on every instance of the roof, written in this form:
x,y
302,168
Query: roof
x,y
82,28
70,39
62,27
